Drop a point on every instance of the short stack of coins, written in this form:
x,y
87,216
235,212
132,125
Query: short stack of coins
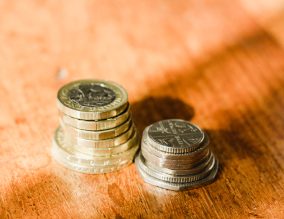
x,y
175,155
96,132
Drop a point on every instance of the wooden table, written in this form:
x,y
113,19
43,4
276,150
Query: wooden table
x,y
219,64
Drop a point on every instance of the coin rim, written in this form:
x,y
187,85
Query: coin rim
x,y
57,140
172,178
65,152
162,162
97,135
133,140
87,163
96,125
90,170
181,172
185,156
106,143
179,186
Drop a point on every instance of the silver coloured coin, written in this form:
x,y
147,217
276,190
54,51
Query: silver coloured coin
x,y
97,135
95,125
172,164
106,143
92,99
178,186
174,136
173,178
197,154
181,172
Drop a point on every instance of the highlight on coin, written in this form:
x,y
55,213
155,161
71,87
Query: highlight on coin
x,y
175,155
96,133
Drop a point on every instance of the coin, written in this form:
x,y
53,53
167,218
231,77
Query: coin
x,y
149,155
106,151
89,169
97,135
111,142
96,125
181,172
197,154
175,155
174,136
92,99
73,156
178,186
172,164
173,178
92,151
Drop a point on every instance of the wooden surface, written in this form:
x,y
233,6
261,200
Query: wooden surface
x,y
219,64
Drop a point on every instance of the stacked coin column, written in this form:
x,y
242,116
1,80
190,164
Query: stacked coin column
x,y
96,133
175,155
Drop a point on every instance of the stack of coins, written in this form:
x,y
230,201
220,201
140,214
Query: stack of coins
x,y
96,133
175,155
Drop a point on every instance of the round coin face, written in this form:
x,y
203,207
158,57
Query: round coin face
x,y
175,133
92,99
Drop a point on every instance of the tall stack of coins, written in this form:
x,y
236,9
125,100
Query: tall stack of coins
x,y
96,133
175,155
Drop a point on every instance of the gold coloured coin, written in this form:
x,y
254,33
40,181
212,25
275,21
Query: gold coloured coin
x,y
95,125
78,158
96,135
88,169
107,151
92,99
106,143
96,152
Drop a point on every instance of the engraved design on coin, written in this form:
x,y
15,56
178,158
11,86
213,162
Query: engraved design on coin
x,y
175,133
92,99
91,95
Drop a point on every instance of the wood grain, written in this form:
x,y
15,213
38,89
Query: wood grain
x,y
219,64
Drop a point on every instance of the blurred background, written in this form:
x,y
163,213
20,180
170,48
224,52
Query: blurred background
x,y
143,45
218,63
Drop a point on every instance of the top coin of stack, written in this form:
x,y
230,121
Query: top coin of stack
x,y
96,133
175,155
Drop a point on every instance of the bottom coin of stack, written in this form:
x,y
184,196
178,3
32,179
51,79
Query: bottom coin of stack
x,y
175,155
96,133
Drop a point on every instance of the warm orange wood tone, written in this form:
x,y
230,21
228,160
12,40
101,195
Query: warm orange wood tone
x,y
219,64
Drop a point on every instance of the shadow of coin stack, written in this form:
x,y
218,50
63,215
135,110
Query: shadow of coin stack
x,y
175,155
96,133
